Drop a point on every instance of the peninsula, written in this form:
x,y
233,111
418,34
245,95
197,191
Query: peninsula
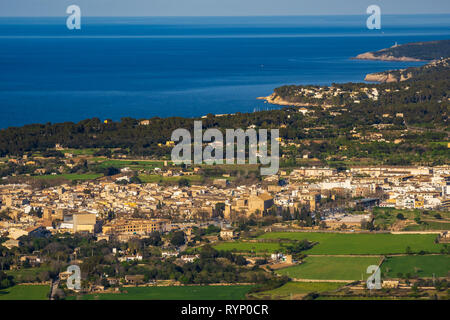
x,y
414,51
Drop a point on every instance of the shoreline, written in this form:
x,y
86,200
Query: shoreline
x,y
384,57
277,100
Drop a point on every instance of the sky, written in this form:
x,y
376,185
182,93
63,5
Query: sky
x,y
47,8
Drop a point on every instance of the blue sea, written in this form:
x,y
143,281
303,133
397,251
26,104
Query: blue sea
x,y
173,66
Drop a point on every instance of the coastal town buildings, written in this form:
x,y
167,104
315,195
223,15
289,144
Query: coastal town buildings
x,y
107,209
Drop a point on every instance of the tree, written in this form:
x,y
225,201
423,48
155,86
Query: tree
x,y
367,225
299,246
286,215
273,211
103,153
296,214
110,171
177,238
135,180
400,216
5,280
212,229
183,182
208,252
154,239
240,260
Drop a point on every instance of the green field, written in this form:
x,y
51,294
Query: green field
x,y
423,266
71,176
172,293
290,289
25,292
239,246
155,178
361,243
331,268
132,164
78,152
27,274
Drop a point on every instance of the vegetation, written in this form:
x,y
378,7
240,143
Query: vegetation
x,y
385,218
361,243
239,246
296,289
212,266
5,280
416,266
234,292
25,292
328,135
418,50
72,176
331,268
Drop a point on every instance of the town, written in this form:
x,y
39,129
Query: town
x,y
140,205
357,206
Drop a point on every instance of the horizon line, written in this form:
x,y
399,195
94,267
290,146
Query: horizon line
x,y
230,16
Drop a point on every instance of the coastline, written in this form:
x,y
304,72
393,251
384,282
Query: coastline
x,y
387,76
277,100
384,57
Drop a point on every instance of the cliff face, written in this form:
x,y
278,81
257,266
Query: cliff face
x,y
386,77
276,99
383,57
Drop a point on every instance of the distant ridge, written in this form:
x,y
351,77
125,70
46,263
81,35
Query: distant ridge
x,y
414,51
437,69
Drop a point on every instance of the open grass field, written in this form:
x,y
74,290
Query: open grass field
x,y
155,178
361,243
172,293
71,176
331,268
423,266
27,274
78,152
239,246
25,292
293,289
132,164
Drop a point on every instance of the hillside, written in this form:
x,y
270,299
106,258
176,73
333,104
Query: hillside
x,y
435,70
415,51
396,123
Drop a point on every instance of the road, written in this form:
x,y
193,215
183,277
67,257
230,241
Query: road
x,y
54,287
